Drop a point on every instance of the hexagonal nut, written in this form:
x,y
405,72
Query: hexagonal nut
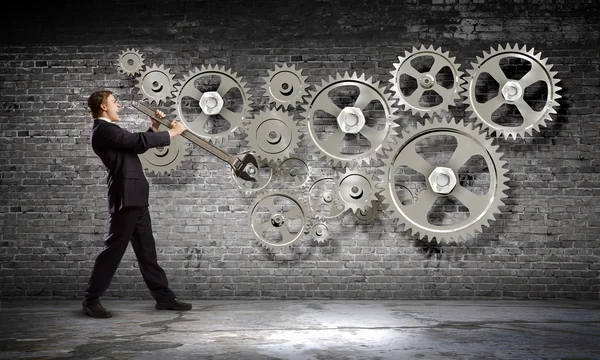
x,y
512,91
442,180
211,102
351,120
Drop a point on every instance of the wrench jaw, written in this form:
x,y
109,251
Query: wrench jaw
x,y
246,167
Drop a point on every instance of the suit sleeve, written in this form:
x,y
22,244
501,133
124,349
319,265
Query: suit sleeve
x,y
139,142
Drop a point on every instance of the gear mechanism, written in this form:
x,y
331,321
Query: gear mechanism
x,y
263,177
445,181
323,200
356,189
512,91
285,86
164,159
212,102
130,62
318,230
273,135
429,81
278,219
293,172
358,130
156,84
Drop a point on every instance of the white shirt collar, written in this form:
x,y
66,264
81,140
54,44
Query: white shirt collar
x,y
105,119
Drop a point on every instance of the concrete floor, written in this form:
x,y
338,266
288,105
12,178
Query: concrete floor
x,y
304,330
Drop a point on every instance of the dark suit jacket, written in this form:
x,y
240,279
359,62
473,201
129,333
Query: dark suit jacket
x,y
118,149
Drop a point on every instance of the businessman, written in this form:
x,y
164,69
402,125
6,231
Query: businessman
x,y
128,190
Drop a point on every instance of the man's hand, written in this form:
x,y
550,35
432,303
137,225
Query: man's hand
x,y
155,123
176,128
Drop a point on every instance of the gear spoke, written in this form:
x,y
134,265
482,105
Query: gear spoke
x,y
487,108
191,91
438,65
422,206
465,149
226,84
526,111
369,133
443,92
286,235
415,161
493,68
336,137
365,97
531,77
262,227
229,115
416,95
324,103
412,72
469,199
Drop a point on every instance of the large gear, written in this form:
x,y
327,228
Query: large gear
x,y
351,120
164,159
202,105
442,180
130,62
156,84
278,219
273,135
285,86
426,81
355,187
512,91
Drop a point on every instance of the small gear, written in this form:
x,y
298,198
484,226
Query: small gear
x,y
156,84
278,219
318,230
293,172
164,159
130,62
263,179
212,102
512,91
427,81
285,86
443,180
356,133
356,189
368,215
323,200
274,135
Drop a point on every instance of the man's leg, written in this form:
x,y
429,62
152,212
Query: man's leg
x,y
120,228
144,247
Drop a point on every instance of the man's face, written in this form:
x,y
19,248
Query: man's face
x,y
111,108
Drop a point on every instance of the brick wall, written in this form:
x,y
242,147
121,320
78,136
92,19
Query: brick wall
x,y
53,218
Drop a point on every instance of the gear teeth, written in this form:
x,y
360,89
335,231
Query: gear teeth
x,y
529,124
235,122
130,62
393,208
260,142
350,201
401,68
265,199
156,74
339,159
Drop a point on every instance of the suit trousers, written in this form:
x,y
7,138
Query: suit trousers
x,y
129,224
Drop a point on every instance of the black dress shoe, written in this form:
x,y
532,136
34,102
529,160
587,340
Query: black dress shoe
x,y
172,304
95,310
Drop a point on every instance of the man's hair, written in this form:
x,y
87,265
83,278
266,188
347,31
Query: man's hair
x,y
95,100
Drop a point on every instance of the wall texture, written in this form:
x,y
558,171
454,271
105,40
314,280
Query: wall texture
x,y
543,244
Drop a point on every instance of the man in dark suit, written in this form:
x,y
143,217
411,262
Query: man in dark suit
x,y
128,191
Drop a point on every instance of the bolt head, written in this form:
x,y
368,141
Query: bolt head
x,y
351,120
442,180
512,91
211,102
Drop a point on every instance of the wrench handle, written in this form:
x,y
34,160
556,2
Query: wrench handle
x,y
231,160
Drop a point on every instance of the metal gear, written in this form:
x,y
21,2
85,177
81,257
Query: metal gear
x,y
285,86
156,84
293,172
442,180
273,135
426,81
164,159
318,230
130,62
368,215
356,189
350,120
278,219
263,178
323,200
210,113
511,91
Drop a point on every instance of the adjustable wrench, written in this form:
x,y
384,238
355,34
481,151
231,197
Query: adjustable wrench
x,y
244,166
